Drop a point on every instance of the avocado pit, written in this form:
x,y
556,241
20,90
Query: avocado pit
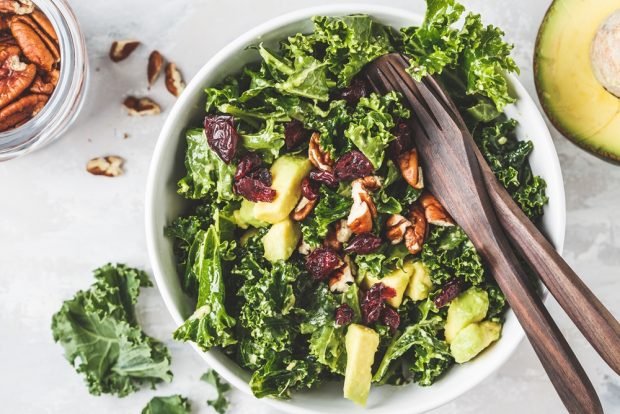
x,y
605,54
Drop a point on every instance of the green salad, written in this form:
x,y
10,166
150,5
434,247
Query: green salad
x,y
311,249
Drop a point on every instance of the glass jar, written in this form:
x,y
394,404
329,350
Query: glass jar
x,y
67,99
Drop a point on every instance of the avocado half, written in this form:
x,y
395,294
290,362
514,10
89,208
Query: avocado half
x,y
577,73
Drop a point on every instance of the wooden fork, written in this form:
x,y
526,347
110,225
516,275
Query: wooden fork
x,y
454,177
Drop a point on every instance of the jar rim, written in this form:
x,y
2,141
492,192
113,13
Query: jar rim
x,y
68,96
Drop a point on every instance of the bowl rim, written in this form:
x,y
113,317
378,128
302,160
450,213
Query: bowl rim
x,y
196,84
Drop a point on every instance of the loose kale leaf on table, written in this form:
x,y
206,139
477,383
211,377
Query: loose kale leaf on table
x,y
172,404
220,403
101,336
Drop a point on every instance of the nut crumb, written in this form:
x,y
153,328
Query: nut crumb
x,y
110,166
141,106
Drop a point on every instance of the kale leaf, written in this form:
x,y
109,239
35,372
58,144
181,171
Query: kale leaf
x,y
220,403
101,337
172,404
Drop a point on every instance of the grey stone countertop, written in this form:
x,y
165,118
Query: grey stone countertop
x,y
58,222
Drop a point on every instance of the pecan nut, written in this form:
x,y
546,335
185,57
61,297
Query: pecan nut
x,y
304,208
410,169
416,233
319,158
342,277
16,6
396,227
45,82
363,210
141,106
343,232
434,211
174,80
372,182
156,62
331,239
15,75
121,49
35,44
18,112
110,166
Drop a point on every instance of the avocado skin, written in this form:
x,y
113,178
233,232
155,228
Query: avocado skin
x,y
600,153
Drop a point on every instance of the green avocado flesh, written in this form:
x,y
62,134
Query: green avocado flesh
x,y
361,345
572,96
281,240
469,307
473,339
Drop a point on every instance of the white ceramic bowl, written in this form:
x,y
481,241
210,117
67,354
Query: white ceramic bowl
x,y
163,205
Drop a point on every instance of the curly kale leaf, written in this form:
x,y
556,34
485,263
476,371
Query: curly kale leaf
x,y
427,355
449,253
478,53
332,206
220,403
101,336
172,404
267,142
508,158
207,175
278,377
210,325
372,122
382,262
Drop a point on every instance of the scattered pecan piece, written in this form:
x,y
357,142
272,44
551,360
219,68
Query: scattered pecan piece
x,y
141,106
304,208
121,49
110,166
15,75
156,63
16,6
317,156
363,209
174,80
416,233
342,277
396,227
410,168
434,211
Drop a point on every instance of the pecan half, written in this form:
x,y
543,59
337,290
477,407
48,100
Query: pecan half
x,y
35,44
434,211
371,182
46,82
16,6
121,49
21,110
317,156
141,106
343,232
396,226
44,23
110,166
410,168
156,63
342,277
363,209
174,80
331,239
416,233
15,75
304,208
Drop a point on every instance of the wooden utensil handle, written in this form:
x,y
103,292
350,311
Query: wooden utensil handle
x,y
561,364
596,323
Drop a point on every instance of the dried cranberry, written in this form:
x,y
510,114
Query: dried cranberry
x,y
254,190
403,141
390,318
222,136
324,177
363,244
248,163
449,291
295,134
357,89
344,315
310,189
373,302
263,175
352,165
322,262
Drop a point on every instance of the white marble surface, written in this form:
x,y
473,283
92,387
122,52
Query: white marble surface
x,y
57,222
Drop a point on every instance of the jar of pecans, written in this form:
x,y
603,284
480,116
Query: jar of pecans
x,y
43,73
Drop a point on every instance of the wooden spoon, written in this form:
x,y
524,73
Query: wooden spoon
x,y
454,177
